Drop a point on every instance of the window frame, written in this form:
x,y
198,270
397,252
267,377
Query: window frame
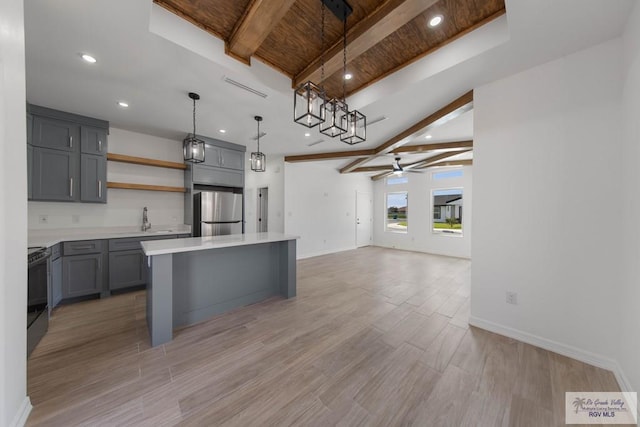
x,y
386,212
444,231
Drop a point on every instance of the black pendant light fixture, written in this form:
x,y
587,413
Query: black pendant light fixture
x,y
258,159
352,123
310,106
333,109
192,147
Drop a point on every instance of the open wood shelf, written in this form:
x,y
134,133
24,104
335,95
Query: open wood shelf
x,y
130,186
144,161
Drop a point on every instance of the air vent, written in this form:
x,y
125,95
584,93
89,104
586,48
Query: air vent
x,y
315,143
378,120
245,87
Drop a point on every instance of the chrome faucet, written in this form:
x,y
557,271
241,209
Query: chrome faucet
x,y
145,220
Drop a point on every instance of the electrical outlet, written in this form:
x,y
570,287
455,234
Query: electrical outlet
x,y
512,298
43,219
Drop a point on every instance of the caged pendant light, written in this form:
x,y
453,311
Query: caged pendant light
x,y
192,147
258,159
353,123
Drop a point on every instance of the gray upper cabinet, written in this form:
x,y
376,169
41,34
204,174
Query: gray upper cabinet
x,y
54,175
231,159
94,141
67,156
212,155
93,178
54,133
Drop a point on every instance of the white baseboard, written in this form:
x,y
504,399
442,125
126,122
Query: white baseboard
x,y
563,349
21,416
327,252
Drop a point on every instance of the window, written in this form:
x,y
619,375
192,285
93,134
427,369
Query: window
x,y
455,173
447,211
397,212
393,180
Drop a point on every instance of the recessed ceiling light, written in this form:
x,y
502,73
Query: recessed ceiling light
x,y
428,136
123,104
348,76
89,58
307,134
435,21
222,131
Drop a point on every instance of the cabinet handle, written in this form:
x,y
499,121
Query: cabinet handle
x,y
70,141
100,146
100,189
71,187
80,247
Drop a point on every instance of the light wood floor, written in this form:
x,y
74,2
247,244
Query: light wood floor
x,y
376,337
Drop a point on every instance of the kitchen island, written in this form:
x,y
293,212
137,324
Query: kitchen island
x,y
193,279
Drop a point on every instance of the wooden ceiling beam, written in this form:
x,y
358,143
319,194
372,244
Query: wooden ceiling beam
x,y
383,21
467,162
440,117
329,156
414,149
259,19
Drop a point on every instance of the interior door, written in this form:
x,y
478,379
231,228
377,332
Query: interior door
x,y
364,219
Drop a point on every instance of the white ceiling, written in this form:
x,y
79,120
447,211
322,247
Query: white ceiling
x,y
151,59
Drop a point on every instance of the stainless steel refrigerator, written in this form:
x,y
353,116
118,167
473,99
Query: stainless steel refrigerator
x,y
217,212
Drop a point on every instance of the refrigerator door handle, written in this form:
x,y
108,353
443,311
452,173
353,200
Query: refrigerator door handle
x,y
221,222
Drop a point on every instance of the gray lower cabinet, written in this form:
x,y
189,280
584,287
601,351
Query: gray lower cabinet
x,y
127,269
81,275
56,282
54,175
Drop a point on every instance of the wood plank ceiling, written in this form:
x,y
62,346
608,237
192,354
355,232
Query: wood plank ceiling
x,y
382,37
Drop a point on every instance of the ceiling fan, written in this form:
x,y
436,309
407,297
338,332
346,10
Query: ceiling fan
x,y
399,170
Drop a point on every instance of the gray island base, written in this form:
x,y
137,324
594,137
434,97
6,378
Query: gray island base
x,y
193,279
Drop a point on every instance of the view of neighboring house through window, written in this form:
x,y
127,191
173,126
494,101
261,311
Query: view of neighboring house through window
x,y
397,215
447,211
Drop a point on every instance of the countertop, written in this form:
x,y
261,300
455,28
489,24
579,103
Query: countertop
x,y
50,237
162,247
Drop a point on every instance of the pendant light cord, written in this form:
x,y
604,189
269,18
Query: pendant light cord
x,y
258,136
322,47
194,118
344,59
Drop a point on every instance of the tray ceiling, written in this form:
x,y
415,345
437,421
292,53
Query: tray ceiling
x,y
383,37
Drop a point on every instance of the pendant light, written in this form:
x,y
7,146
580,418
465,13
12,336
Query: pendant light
x,y
333,109
309,98
192,147
353,123
258,159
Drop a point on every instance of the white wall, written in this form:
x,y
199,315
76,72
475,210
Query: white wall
x,y
124,207
546,164
273,179
320,207
419,236
629,348
14,403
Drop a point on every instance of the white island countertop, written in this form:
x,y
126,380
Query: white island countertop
x,y
162,247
